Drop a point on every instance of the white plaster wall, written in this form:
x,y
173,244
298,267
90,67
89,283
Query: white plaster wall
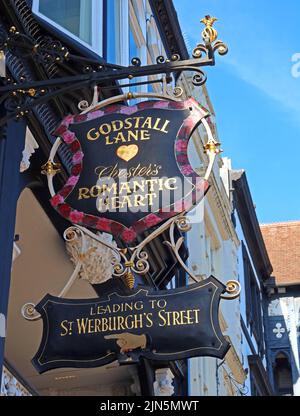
x,y
204,380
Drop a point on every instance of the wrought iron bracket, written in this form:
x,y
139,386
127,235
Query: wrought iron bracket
x,y
20,97
130,261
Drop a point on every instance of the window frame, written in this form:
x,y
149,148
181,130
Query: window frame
x,y
254,312
96,22
277,366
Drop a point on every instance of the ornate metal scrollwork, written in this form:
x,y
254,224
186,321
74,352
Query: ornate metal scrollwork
x,y
3,38
19,44
182,223
199,78
51,51
233,288
141,265
125,263
29,313
160,59
177,92
50,168
175,57
136,61
137,264
220,47
83,105
48,50
199,50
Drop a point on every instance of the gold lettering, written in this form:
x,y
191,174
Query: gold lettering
x,y
147,123
163,129
149,320
196,315
145,135
119,138
105,129
161,316
138,321
63,325
134,135
150,198
120,324
95,191
138,201
116,308
114,125
82,325
107,142
104,324
91,328
155,127
125,186
98,325
161,303
176,316
84,193
168,184
110,189
188,316
128,123
137,121
129,322
139,305
112,323
90,137
140,124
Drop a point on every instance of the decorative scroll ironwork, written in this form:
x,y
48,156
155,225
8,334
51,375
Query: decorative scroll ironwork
x,y
130,261
22,97
233,288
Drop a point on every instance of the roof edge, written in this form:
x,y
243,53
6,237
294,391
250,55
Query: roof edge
x,y
169,27
249,222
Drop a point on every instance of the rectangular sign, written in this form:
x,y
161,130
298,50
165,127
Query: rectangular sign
x,y
125,325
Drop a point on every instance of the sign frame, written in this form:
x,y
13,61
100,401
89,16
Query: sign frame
x,y
43,361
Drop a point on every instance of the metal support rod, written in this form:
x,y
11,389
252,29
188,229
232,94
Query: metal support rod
x,y
114,75
22,96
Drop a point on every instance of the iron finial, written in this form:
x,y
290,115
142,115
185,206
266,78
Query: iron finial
x,y
209,33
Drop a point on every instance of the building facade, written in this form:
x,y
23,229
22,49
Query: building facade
x,y
283,307
255,269
241,254
34,257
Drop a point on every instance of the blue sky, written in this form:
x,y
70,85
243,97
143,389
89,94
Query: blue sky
x,y
255,96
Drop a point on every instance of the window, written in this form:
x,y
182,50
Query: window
x,y
253,301
283,375
79,19
131,32
117,24
259,379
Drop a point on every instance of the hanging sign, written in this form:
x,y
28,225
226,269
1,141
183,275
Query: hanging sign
x,y
125,325
130,168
